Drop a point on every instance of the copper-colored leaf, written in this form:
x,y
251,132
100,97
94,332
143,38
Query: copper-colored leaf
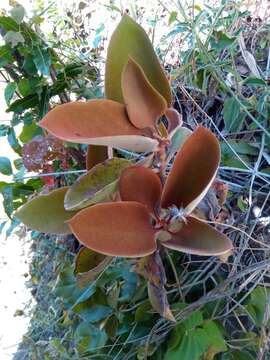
x,y
199,238
129,39
174,119
96,154
46,213
193,171
88,265
97,122
140,184
115,229
97,185
158,298
143,102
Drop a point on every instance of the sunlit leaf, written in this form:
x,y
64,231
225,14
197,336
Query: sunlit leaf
x,y
115,229
46,213
141,184
199,238
97,122
97,185
129,39
193,171
143,102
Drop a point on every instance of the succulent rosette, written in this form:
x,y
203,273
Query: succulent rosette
x,y
151,215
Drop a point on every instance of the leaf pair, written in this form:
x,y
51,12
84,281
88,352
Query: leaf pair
x,y
138,95
48,213
133,227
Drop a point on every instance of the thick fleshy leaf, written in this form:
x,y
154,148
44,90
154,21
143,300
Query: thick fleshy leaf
x,y
88,265
174,119
96,154
46,213
97,122
129,39
97,185
115,229
141,184
199,238
193,171
143,102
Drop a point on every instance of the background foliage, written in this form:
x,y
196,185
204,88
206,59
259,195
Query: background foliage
x,y
218,59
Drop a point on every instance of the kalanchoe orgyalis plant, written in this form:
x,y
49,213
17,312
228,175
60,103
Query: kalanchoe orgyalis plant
x,y
150,215
141,210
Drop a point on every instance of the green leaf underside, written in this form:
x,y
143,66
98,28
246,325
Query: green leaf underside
x,y
178,139
46,213
95,186
129,39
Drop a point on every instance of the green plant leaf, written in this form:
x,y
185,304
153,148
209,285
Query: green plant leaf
x,y
9,91
4,130
17,13
46,213
220,40
14,38
13,142
258,303
42,59
215,339
193,344
89,338
97,185
20,105
5,166
29,131
129,39
173,17
233,117
92,312
5,55
178,139
7,23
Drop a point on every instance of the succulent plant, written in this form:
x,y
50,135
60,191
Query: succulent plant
x,y
119,207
